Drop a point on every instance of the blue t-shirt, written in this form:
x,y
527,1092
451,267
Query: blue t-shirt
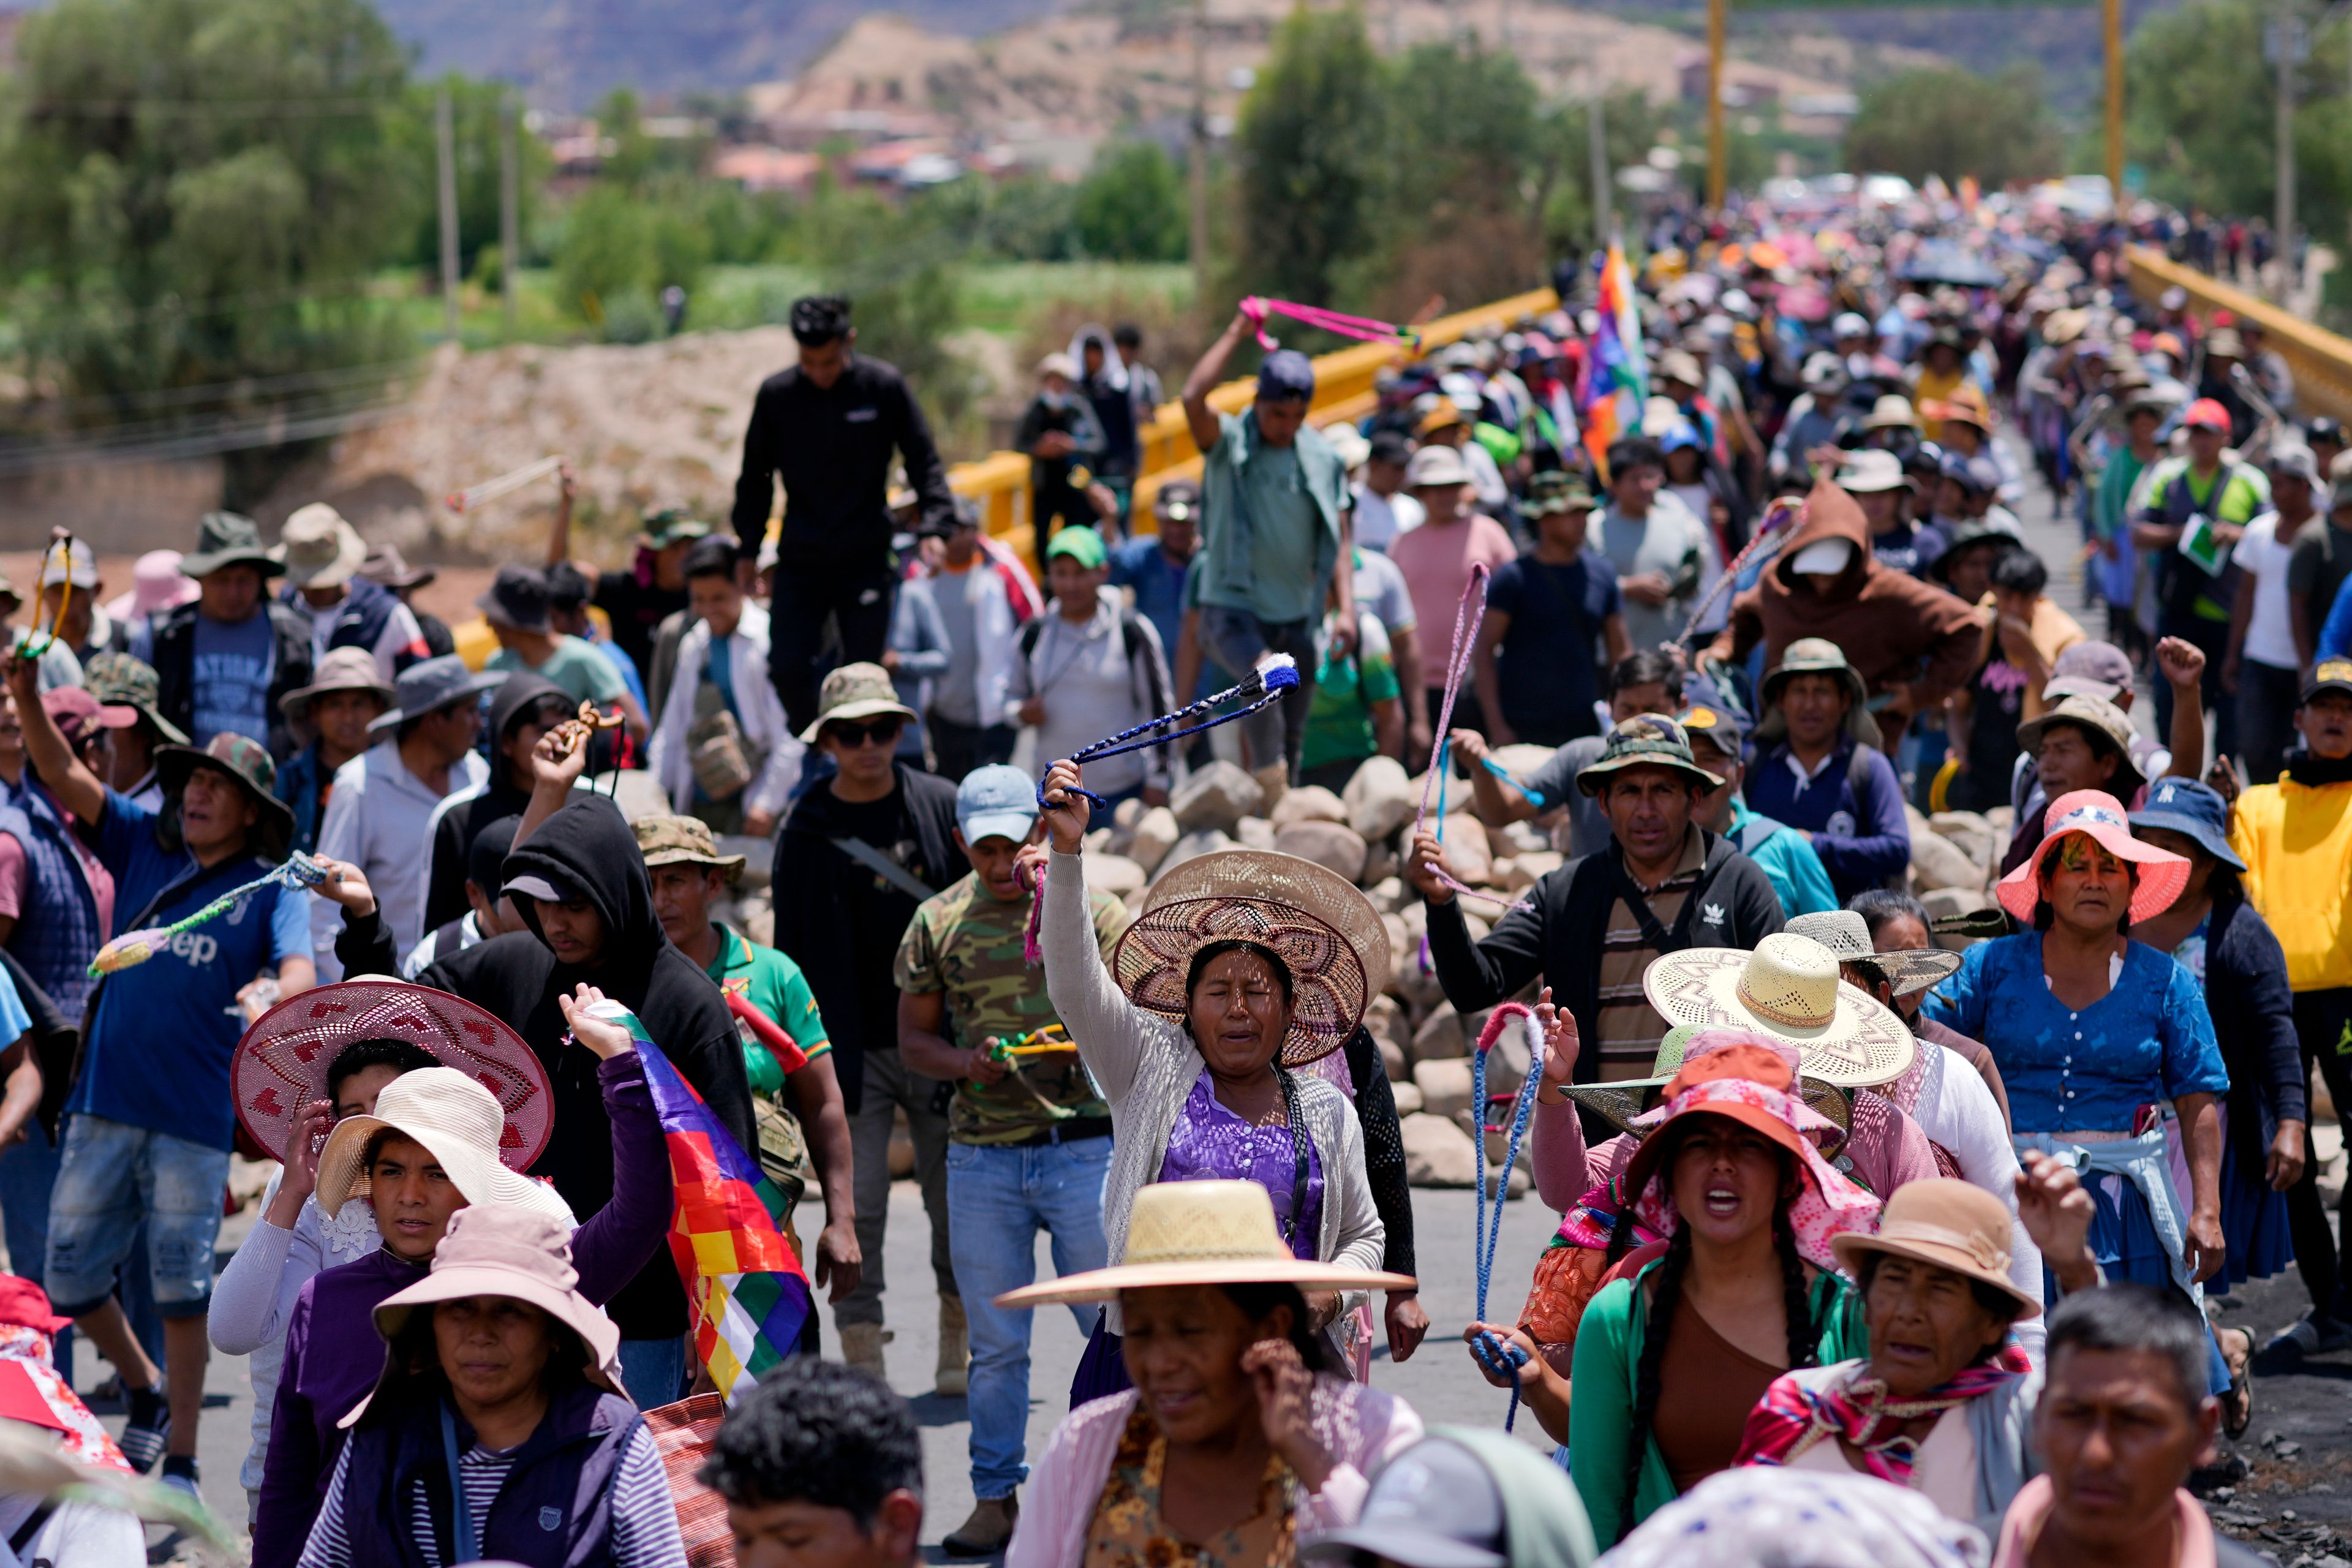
x,y
230,677
1548,662
163,1032
2148,1039
14,1019
624,666
1159,584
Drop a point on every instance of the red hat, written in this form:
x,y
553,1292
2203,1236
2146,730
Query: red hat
x,y
2208,413
26,1304
77,712
2160,874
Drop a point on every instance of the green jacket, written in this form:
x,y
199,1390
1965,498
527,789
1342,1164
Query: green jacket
x,y
1608,1357
1543,1526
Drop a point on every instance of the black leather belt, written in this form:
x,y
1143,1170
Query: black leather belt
x,y
1063,1133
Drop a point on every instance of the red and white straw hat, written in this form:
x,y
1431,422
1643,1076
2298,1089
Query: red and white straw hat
x,y
2161,874
281,1064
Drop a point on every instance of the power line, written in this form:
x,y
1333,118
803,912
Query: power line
x,y
205,108
220,391
229,438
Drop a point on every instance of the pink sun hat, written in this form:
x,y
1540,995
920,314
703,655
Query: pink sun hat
x,y
2161,873
156,584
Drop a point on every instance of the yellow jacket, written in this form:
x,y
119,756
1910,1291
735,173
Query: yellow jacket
x,y
2297,842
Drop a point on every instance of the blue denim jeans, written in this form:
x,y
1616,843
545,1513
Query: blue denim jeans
x,y
110,1176
998,1199
655,1371
27,1171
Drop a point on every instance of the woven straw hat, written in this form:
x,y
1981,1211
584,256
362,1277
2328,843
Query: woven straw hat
x,y
1203,1233
1318,924
1620,1102
1847,936
458,1124
281,1064
1788,989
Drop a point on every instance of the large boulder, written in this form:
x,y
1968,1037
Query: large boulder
x,y
1218,797
1115,873
1520,837
1529,867
1389,894
1444,1085
1207,841
1331,844
1379,797
1938,862
1441,1037
1312,803
1507,1063
1972,833
1381,862
1384,1020
1392,1062
1467,854
1407,1095
1254,833
1437,1154
1155,834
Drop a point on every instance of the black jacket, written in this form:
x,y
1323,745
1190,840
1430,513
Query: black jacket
x,y
454,830
588,844
1558,936
175,684
831,446
811,927
1384,1164
2253,1017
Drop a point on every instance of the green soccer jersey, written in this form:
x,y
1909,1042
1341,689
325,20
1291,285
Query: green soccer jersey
x,y
966,944
774,984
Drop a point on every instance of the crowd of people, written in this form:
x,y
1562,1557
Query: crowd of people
x,y
1926,1204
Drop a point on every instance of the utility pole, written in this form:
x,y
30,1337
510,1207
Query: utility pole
x,y
509,207
1596,135
2115,35
1200,156
446,136
1717,157
2288,42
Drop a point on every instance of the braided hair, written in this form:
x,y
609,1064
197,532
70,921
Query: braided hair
x,y
1665,1300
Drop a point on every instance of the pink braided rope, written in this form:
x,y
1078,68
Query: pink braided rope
x,y
1257,307
1466,621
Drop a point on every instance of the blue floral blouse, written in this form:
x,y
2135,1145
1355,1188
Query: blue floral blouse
x,y
2148,1038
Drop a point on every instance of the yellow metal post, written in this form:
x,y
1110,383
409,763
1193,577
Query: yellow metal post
x,y
1717,175
2115,31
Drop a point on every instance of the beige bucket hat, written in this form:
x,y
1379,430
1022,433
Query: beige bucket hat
x,y
1787,988
344,669
1202,1233
516,1254
458,1123
1847,936
1321,926
318,548
1947,1224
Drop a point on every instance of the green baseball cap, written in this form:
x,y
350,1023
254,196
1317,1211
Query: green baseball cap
x,y
1081,544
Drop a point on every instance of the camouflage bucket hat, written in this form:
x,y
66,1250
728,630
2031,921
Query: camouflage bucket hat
x,y
1815,655
1555,490
667,840
119,679
247,761
855,691
669,526
1646,740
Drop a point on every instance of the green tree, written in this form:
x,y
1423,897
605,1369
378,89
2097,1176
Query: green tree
x,y
1953,123
477,130
1307,152
1131,207
195,190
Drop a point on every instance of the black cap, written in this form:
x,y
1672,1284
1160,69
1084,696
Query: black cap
x,y
518,597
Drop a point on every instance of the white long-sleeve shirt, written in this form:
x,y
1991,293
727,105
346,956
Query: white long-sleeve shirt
x,y
757,709
379,818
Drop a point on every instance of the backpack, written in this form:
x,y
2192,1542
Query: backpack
x,y
1131,634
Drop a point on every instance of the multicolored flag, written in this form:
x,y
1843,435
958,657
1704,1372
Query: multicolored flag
x,y
1616,380
749,1296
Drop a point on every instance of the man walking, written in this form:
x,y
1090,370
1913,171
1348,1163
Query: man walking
x,y
2264,667
322,554
1819,769
1033,1135
722,752
335,710
151,1124
2195,512
379,816
225,662
1276,527
858,853
828,427
1090,667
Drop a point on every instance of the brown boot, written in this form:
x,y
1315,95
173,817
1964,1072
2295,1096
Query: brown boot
x,y
955,1379
989,1529
861,1347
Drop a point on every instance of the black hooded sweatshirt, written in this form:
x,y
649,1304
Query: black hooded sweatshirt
x,y
588,844
453,828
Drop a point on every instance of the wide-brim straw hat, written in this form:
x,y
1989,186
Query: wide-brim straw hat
x,y
1315,920
1788,989
1203,1233
344,669
1946,1225
457,1120
1722,1083
2100,816
1846,934
1623,1102
281,1063
514,1253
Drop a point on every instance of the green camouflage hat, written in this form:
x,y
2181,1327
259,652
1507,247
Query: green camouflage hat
x,y
1646,740
1815,655
670,526
247,761
228,539
667,840
1556,489
131,682
855,691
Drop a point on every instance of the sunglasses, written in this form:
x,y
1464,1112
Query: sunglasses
x,y
882,731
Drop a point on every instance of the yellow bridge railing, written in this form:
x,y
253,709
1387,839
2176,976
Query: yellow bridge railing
x,y
1343,390
2321,359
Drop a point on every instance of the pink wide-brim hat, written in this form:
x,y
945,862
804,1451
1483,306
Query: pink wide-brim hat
x,y
2099,816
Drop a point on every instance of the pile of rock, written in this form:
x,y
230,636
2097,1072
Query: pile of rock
x,y
1955,859
1364,835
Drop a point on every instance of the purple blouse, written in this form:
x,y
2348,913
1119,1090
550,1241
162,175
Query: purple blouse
x,y
1211,1143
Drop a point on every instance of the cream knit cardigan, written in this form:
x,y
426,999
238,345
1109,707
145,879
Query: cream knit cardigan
x,y
1146,1066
